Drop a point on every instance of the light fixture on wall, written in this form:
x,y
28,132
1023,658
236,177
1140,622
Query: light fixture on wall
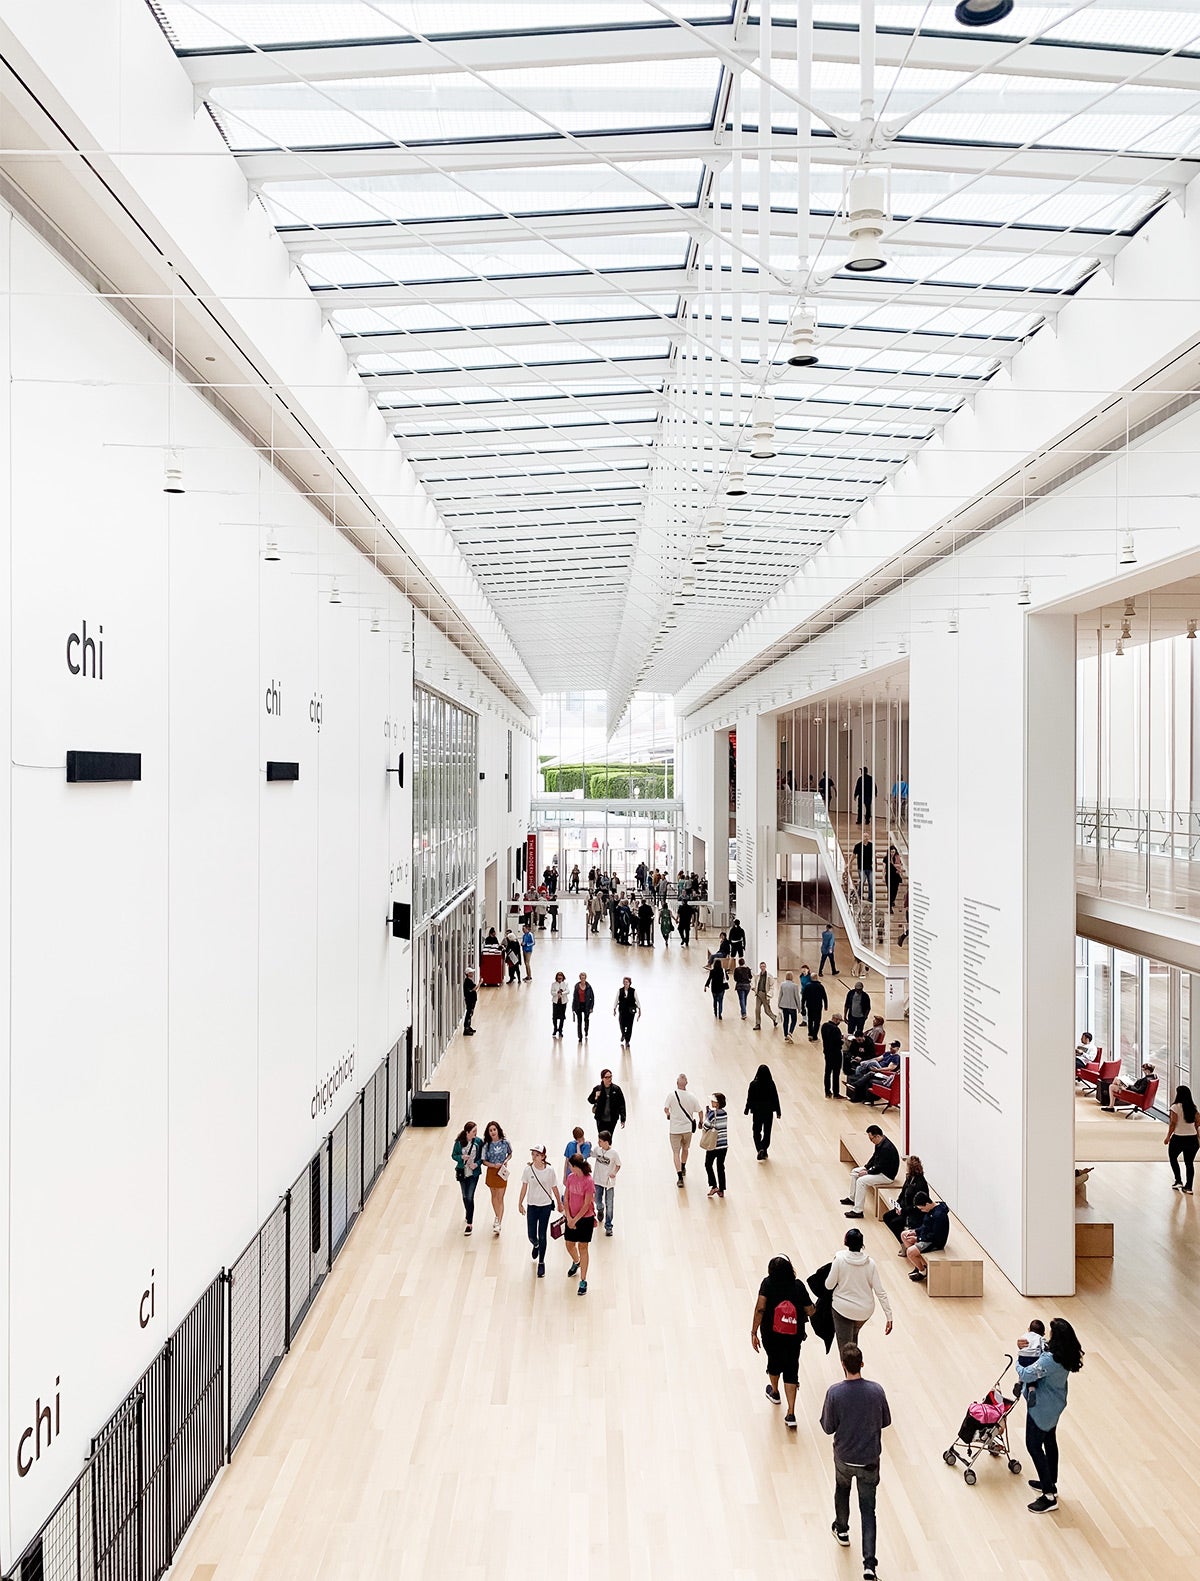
x,y
1127,555
1023,598
981,13
335,594
271,552
804,338
173,474
866,198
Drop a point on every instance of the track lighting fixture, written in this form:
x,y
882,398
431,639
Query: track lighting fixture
x,y
804,338
335,596
762,435
1126,632
1129,612
173,475
714,525
862,663
376,627
1127,555
1120,648
981,13
952,627
271,552
865,201
735,478
1191,630
1023,598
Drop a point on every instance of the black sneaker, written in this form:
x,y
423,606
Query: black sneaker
x,y
1045,1504
846,1202
869,1572
790,1421
679,1178
841,1537
852,1215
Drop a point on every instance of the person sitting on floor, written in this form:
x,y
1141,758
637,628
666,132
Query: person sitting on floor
x,y
1110,1100
931,1234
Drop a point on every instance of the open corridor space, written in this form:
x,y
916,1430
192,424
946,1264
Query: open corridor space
x,y
446,1414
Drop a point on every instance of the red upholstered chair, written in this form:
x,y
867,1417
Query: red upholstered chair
x,y
1138,1102
1105,1070
888,1088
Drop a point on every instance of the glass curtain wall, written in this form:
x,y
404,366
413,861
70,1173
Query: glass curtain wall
x,y
445,801
842,775
1138,1010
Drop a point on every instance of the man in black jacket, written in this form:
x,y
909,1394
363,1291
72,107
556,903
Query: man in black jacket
x,y
608,1103
813,1001
470,999
831,1044
684,918
856,1009
880,1169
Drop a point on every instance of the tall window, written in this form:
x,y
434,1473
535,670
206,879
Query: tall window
x,y
578,758
445,818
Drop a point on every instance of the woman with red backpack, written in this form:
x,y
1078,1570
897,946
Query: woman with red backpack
x,y
778,1327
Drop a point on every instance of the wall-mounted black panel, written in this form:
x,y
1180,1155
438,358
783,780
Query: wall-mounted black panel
x,y
400,771
401,920
283,771
103,768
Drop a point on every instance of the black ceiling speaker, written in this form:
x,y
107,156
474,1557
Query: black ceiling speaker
x,y
283,771
401,920
103,768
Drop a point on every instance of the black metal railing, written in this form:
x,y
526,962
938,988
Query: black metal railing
x,y
153,1461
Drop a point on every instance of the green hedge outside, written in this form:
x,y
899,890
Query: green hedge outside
x,y
615,781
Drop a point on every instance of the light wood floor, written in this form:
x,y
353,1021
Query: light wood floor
x,y
445,1414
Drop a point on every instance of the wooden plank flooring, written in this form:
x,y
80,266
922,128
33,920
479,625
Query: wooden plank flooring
x,y
445,1414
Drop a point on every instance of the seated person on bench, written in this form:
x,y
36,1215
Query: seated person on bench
x,y
880,1169
930,1235
1111,1096
868,1071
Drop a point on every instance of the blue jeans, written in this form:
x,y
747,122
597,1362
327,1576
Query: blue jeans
x,y
537,1222
743,994
467,1186
868,1481
789,1022
827,955
604,1205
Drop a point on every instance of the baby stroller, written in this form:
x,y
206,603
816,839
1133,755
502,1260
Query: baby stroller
x,y
984,1431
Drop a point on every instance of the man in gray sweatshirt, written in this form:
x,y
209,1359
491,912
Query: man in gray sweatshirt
x,y
854,1414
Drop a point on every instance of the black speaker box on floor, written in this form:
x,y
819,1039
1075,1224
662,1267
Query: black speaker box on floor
x,y
401,920
431,1108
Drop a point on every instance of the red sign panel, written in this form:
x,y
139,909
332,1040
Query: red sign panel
x,y
531,877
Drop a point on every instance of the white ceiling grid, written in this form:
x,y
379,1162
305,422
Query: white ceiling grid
x,y
565,253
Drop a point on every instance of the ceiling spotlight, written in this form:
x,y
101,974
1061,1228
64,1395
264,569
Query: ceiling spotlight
x,y
376,627
1191,631
1127,555
735,478
981,13
1120,648
903,646
173,475
862,663
271,552
762,435
1023,598
1129,612
335,596
865,205
1125,630
804,339
952,627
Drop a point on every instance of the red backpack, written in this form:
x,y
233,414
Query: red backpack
x,y
786,1321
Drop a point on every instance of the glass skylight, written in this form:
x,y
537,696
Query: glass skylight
x,y
526,255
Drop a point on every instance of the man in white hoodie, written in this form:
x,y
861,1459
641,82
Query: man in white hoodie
x,y
854,1280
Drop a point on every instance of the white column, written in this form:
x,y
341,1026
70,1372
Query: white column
x,y
993,925
756,843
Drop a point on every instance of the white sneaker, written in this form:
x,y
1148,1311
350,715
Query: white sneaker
x,y
495,1226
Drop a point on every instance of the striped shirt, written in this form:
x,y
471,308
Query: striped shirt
x,y
719,1118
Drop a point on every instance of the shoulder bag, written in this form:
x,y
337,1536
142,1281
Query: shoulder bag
x,y
710,1138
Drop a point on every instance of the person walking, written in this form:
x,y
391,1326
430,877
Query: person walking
x,y
606,1166
895,875
716,984
856,1009
666,925
595,910
864,860
583,1002
828,789
789,1004
1044,1406
573,884
497,1150
854,1414
716,1128
813,1001
681,1109
527,943
470,1000
1183,1139
880,1169
778,1328
854,1283
579,1207
762,1105
864,794
465,1153
743,979
683,917
737,939
559,994
539,1197
608,1103
627,1009
831,1047
762,998
827,944
645,924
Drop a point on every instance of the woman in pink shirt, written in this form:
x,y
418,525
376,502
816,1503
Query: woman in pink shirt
x,y
579,1200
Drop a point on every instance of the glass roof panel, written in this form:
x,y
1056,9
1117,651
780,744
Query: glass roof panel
x,y
220,24
526,255
477,356
1066,21
483,194
451,106
490,315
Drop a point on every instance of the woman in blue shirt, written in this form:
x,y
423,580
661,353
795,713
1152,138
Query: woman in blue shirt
x,y
1062,1356
497,1151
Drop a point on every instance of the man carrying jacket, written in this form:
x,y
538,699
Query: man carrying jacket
x,y
813,1001
880,1169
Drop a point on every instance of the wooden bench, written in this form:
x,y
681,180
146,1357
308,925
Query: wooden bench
x,y
1093,1235
948,1276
